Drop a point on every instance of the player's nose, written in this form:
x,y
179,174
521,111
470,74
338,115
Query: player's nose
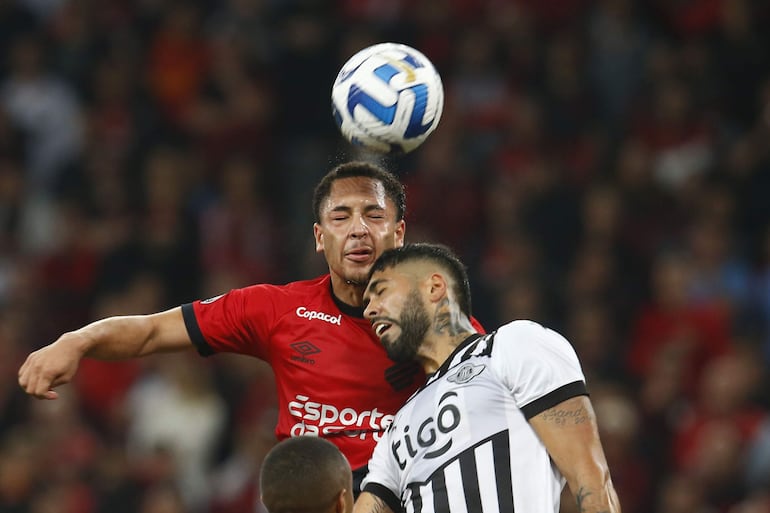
x,y
359,228
370,311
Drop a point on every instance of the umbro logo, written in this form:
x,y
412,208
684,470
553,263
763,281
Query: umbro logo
x,y
465,373
305,349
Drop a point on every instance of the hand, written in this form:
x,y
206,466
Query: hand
x,y
51,366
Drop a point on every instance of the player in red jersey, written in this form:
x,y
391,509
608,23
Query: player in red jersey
x,y
333,377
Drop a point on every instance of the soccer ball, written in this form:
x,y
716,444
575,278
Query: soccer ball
x,y
387,98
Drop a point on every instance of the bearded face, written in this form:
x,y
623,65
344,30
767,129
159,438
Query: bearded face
x,y
414,323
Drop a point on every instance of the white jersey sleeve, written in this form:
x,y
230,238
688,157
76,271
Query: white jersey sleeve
x,y
383,478
537,365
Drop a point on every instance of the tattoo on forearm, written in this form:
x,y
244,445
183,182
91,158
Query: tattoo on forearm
x,y
580,499
379,506
566,417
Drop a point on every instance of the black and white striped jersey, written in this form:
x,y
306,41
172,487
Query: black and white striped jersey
x,y
463,443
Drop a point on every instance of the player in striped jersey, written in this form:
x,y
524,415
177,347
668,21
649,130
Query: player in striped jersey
x,y
503,420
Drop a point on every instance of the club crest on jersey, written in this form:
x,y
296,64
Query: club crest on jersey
x,y
465,373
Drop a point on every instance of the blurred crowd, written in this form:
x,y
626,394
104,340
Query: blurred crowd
x,y
602,167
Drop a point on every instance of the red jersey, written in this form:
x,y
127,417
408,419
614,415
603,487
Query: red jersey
x,y
333,377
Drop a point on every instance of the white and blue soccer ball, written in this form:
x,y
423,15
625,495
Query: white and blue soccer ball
x,y
387,98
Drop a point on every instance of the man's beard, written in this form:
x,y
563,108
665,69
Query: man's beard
x,y
414,324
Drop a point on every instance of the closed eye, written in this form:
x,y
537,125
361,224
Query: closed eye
x,y
375,288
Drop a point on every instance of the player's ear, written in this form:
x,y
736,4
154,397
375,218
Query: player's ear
x,y
438,287
400,233
318,234
341,504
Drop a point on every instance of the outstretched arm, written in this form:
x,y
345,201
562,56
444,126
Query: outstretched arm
x,y
113,338
570,434
370,503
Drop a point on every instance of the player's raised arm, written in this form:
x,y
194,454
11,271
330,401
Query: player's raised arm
x,y
113,338
571,436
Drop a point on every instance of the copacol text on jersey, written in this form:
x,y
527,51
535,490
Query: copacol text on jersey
x,y
312,314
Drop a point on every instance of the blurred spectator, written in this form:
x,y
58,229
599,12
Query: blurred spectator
x,y
548,205
237,228
681,493
236,479
652,217
742,56
711,438
673,338
176,410
19,467
761,281
117,489
234,112
671,342
47,109
476,89
69,447
178,60
677,134
71,31
568,99
460,188
162,498
593,331
720,275
747,177
14,328
757,473
164,237
510,260
522,298
247,25
607,249
592,277
617,49
68,271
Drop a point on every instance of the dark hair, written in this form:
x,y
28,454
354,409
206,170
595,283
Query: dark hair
x,y
394,189
437,253
299,474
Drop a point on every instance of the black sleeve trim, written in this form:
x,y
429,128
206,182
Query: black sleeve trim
x,y
191,323
358,477
385,494
551,399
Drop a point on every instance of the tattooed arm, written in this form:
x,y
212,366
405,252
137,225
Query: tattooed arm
x,y
370,503
569,432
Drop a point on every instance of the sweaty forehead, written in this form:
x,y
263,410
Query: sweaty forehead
x,y
355,189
